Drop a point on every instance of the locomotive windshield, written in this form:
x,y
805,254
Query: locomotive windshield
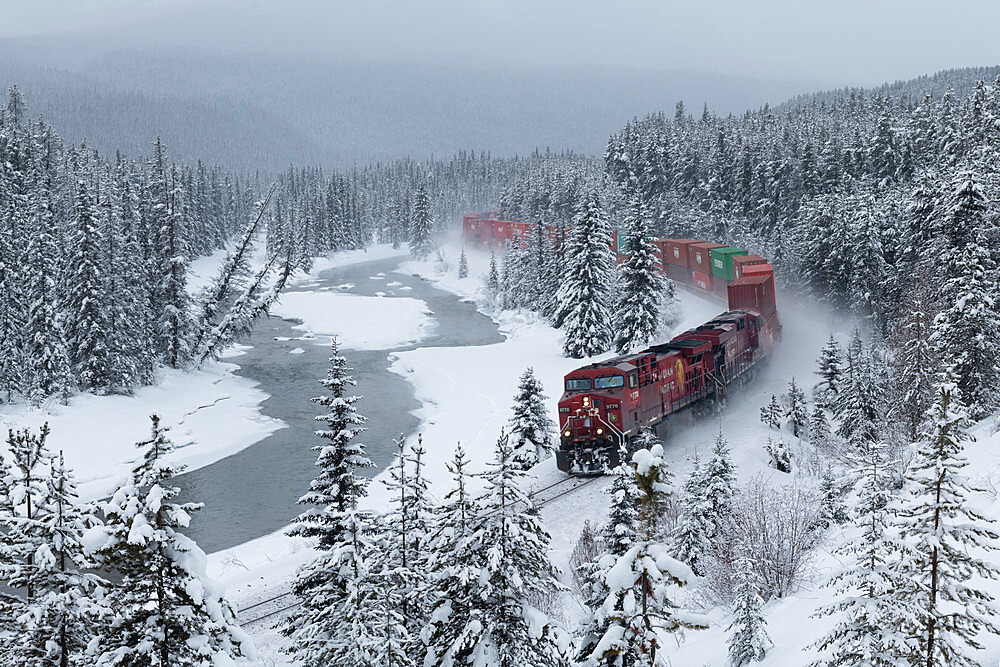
x,y
609,381
577,384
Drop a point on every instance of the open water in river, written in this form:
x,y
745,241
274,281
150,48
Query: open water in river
x,y
254,492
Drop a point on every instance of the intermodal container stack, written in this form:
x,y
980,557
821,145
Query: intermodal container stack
x,y
741,261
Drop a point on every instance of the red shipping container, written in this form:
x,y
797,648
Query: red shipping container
x,y
742,261
701,280
758,270
720,287
699,256
676,250
753,292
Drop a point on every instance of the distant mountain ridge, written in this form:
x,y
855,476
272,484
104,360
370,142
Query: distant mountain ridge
x,y
256,111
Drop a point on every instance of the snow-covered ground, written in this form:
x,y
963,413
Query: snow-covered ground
x,y
359,322
211,412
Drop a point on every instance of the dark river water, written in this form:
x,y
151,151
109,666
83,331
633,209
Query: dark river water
x,y
254,492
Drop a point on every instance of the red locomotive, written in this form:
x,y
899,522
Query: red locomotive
x,y
606,403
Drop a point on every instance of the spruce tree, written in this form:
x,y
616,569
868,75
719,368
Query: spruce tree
x,y
831,507
29,498
339,458
531,428
588,283
620,534
689,541
945,537
719,479
493,278
86,300
422,225
830,363
47,354
966,335
637,316
770,414
639,610
869,605
797,411
483,614
463,265
749,640
66,611
916,361
167,610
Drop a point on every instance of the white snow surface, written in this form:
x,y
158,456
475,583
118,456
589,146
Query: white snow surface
x,y
358,322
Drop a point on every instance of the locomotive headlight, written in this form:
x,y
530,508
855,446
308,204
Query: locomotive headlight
x,y
600,431
565,433
586,401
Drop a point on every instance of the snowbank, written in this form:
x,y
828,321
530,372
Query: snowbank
x,y
212,413
359,322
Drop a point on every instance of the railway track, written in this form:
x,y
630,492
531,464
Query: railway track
x,y
277,606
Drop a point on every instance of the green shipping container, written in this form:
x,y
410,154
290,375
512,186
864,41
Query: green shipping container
x,y
722,262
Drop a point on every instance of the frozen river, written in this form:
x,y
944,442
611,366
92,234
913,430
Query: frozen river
x,y
254,492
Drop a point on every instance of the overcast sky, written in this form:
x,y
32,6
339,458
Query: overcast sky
x,y
830,43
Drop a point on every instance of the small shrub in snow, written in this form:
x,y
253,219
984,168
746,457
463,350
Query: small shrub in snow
x,y
463,265
780,455
776,528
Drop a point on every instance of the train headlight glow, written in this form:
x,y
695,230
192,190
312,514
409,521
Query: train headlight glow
x,y
599,431
565,433
586,401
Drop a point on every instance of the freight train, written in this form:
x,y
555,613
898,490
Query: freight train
x,y
605,404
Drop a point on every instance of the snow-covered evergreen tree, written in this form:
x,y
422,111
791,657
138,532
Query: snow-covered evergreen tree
x,y
492,278
86,300
831,506
830,363
966,335
916,364
771,413
819,428
46,339
167,610
718,483
339,457
641,614
66,610
797,410
463,265
484,613
689,541
870,606
620,535
531,428
637,316
780,457
585,295
28,500
946,538
422,225
749,640
174,323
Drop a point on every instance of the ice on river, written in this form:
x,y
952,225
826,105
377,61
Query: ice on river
x,y
359,322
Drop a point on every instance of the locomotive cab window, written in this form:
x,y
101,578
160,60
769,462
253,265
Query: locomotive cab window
x,y
609,382
577,384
